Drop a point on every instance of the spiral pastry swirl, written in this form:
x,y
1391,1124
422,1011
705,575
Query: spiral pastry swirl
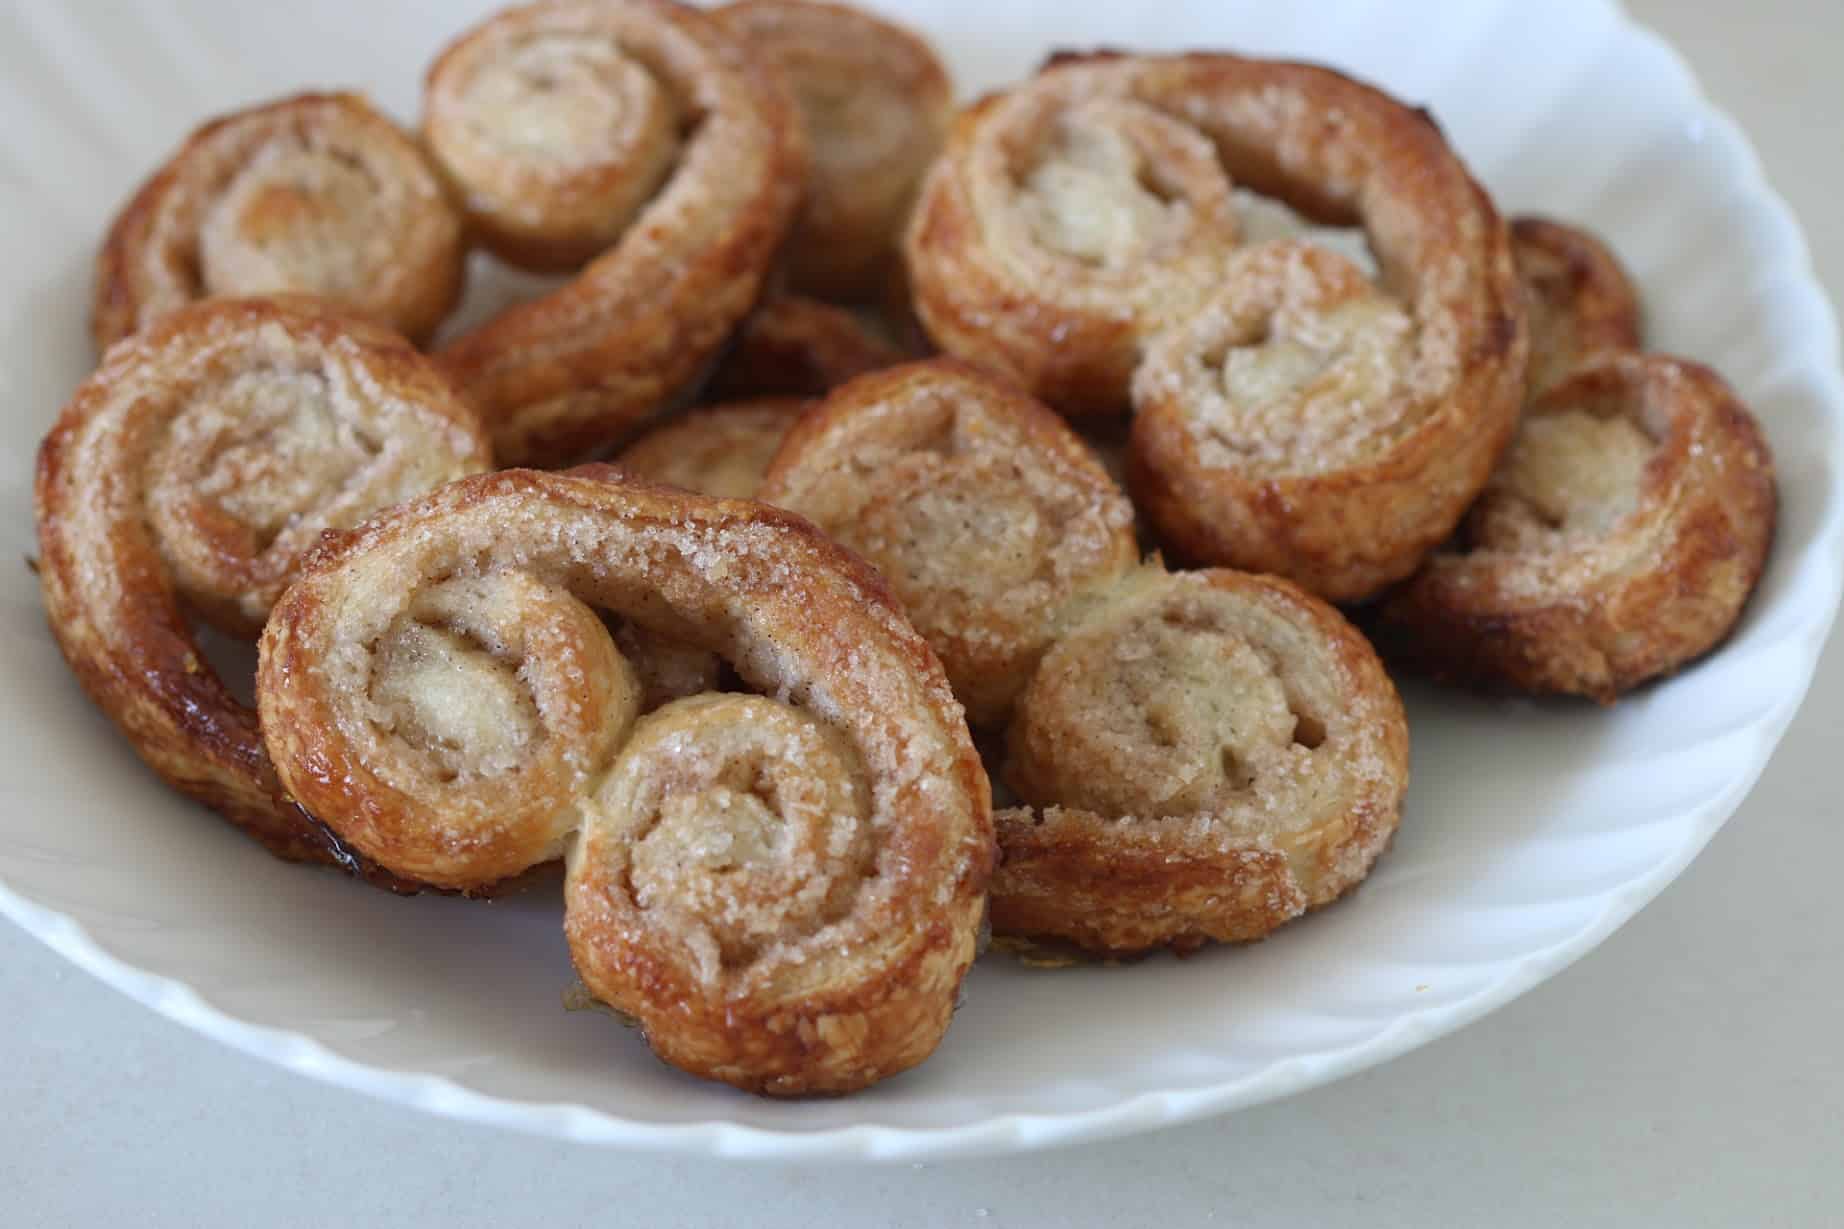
x,y
638,135
1072,219
1207,756
990,520
875,103
1580,301
1305,425
317,194
189,475
783,888
1619,540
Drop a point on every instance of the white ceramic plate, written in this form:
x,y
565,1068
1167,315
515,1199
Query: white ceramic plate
x,y
1532,830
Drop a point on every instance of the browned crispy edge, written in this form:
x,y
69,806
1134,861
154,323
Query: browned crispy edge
x,y
1570,273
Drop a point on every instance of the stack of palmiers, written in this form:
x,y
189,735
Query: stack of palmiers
x,y
737,679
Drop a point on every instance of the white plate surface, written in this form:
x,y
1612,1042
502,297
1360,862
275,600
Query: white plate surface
x,y
1533,830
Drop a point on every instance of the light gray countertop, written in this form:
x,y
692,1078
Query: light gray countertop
x,y
1687,1073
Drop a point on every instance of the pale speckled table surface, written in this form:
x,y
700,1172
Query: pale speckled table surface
x,y
1686,1073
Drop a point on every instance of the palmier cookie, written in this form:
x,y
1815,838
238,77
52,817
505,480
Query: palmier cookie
x,y
1073,218
315,194
991,521
187,476
783,888
1619,540
640,136
1208,755
875,103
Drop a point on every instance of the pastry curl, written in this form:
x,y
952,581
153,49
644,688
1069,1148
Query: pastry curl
x,y
718,450
1311,425
1579,300
1073,218
189,474
315,194
783,889
1206,757
684,153
1619,540
990,520
876,104
795,347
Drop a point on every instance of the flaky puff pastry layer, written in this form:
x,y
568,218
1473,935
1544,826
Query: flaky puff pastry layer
x,y
645,138
783,888
1580,301
1619,540
1207,756
1073,218
315,194
992,522
876,103
189,475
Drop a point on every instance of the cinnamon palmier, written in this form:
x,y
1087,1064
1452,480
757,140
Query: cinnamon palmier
x,y
875,102
783,888
640,135
1579,300
316,194
991,521
1091,208
797,347
1308,423
188,475
1205,757
1619,540
719,449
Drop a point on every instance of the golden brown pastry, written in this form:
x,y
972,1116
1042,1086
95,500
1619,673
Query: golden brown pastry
x,y
316,194
718,450
1580,301
637,132
991,521
876,105
1619,540
1309,424
797,347
783,888
1076,216
788,350
1207,756
188,475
